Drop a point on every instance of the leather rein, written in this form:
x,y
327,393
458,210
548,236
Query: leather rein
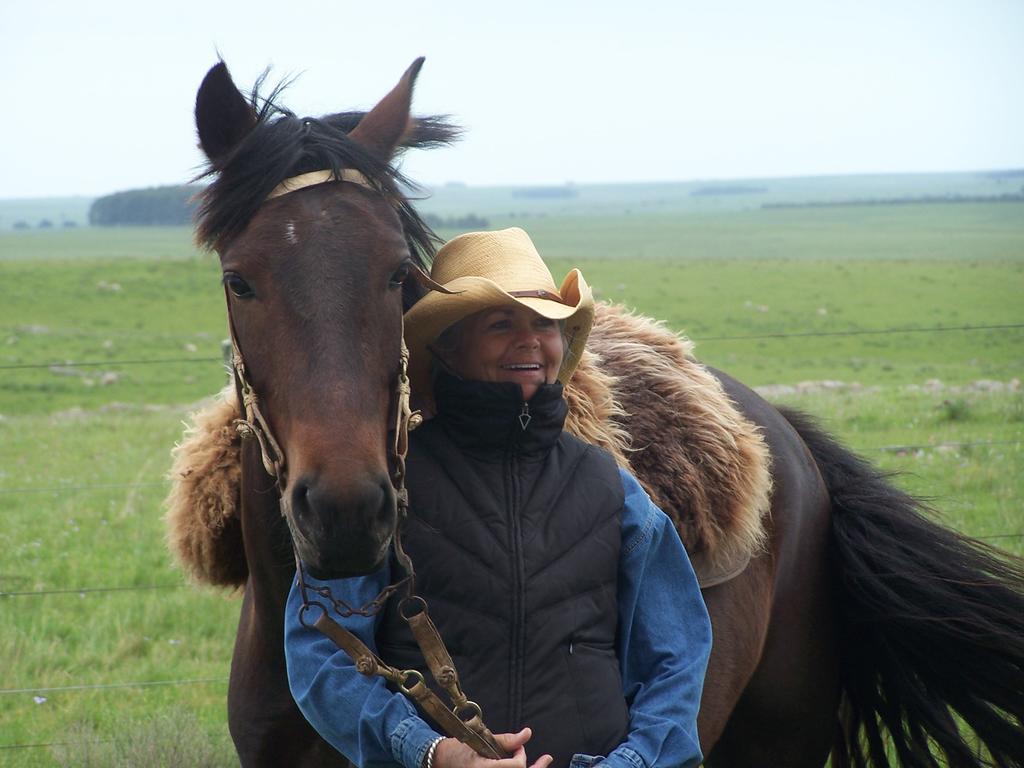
x,y
463,719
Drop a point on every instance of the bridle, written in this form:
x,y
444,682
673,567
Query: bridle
x,y
463,719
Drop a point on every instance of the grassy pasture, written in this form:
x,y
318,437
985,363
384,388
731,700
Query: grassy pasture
x,y
92,243
83,454
105,311
741,274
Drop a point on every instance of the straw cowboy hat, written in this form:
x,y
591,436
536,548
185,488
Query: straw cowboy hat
x,y
493,269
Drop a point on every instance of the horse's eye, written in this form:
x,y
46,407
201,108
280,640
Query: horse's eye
x,y
238,286
401,274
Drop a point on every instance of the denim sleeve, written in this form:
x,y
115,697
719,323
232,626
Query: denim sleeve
x,y
358,715
664,639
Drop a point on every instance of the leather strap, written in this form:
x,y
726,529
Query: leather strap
x,y
439,661
301,181
254,423
472,732
442,669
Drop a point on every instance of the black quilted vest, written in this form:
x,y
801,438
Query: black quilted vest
x,y
515,534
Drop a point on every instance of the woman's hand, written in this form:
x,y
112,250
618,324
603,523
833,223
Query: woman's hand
x,y
452,753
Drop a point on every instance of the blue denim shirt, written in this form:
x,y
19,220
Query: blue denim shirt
x,y
664,640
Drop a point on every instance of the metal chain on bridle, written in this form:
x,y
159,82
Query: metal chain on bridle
x,y
463,719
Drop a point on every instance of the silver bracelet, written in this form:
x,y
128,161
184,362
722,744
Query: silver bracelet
x,y
428,761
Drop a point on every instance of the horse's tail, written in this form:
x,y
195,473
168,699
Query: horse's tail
x,y
931,626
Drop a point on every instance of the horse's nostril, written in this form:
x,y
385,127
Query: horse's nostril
x,y
329,517
301,502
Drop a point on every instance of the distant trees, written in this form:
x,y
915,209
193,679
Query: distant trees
x,y
22,225
565,191
174,206
156,206
468,222
728,189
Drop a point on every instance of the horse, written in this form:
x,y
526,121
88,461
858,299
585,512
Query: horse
x,y
863,630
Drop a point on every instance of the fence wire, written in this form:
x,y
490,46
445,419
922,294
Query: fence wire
x,y
111,363
220,359
865,332
85,487
749,337
88,590
45,744
108,686
896,448
152,587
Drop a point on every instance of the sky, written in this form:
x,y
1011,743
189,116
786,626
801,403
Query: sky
x,y
99,95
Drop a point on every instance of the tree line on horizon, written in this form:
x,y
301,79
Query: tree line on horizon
x,y
169,206
173,206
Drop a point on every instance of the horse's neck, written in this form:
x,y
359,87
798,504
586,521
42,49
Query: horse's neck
x,y
268,547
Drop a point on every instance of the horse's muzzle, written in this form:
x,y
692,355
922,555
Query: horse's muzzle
x,y
341,532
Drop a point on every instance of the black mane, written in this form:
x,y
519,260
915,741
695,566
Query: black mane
x,y
282,145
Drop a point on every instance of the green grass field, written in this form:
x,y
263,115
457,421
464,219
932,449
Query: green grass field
x,y
84,450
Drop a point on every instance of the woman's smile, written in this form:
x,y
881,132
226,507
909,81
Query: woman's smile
x,y
509,343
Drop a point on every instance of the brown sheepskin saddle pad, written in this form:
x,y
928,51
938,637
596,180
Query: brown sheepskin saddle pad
x,y
637,393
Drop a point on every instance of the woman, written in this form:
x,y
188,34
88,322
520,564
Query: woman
x,y
564,595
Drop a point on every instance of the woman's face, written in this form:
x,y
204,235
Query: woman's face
x,y
508,344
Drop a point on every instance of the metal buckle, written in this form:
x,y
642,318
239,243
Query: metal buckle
x,y
408,674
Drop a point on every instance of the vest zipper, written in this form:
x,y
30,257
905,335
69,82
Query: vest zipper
x,y
518,628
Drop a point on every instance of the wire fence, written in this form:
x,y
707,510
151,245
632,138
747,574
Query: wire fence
x,y
895,448
163,483
151,587
86,487
862,332
46,744
90,590
110,686
98,686
935,446
114,362
110,590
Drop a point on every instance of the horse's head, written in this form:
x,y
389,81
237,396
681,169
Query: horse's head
x,y
316,283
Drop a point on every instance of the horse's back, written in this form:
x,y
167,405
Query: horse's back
x,y
772,690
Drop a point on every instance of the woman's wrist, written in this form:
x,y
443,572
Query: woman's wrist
x,y
428,758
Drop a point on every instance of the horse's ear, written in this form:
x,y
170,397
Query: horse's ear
x,y
383,127
223,116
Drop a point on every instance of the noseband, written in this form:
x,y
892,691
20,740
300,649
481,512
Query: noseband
x,y
464,719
